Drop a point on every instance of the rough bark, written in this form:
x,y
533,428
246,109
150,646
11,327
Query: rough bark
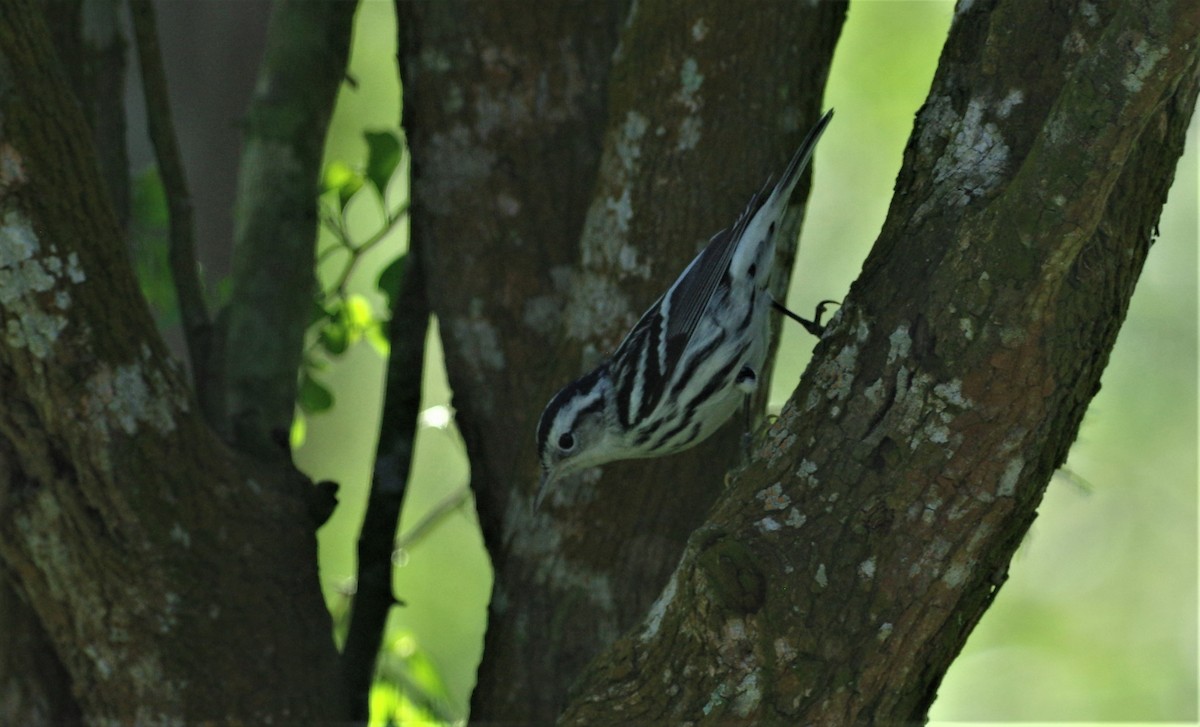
x,y
567,162
844,569
154,558
87,37
35,688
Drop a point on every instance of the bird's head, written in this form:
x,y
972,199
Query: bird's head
x,y
575,430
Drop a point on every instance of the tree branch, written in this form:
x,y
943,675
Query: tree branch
x,y
89,43
185,268
433,518
373,597
844,569
308,45
125,523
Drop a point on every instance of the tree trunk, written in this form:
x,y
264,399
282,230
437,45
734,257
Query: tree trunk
x,y
34,686
89,44
566,166
153,556
275,223
842,572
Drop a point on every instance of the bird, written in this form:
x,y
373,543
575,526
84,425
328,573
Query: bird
x,y
690,360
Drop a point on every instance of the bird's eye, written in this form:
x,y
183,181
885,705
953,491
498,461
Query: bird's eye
x,y
566,442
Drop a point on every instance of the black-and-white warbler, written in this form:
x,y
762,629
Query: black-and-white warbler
x,y
690,360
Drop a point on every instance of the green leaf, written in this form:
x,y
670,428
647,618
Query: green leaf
x,y
340,177
390,705
407,669
383,155
424,673
390,279
377,337
335,335
313,397
298,432
148,240
358,313
148,205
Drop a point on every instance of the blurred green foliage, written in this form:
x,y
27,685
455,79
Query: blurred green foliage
x,y
341,318
148,222
148,237
433,643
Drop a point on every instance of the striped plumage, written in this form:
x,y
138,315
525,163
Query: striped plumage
x,y
689,361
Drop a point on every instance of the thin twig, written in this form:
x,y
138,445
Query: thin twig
x,y
356,252
197,326
389,481
434,517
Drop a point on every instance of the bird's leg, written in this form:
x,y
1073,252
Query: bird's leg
x,y
814,326
747,381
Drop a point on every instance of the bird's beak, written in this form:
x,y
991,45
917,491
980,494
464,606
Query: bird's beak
x,y
543,489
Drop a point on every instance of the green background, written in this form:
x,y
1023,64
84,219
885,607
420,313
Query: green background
x,y
1098,619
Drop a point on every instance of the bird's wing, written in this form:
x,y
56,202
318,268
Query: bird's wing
x,y
687,298
645,359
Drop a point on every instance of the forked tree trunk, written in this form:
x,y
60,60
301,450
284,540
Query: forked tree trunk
x,y
567,163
